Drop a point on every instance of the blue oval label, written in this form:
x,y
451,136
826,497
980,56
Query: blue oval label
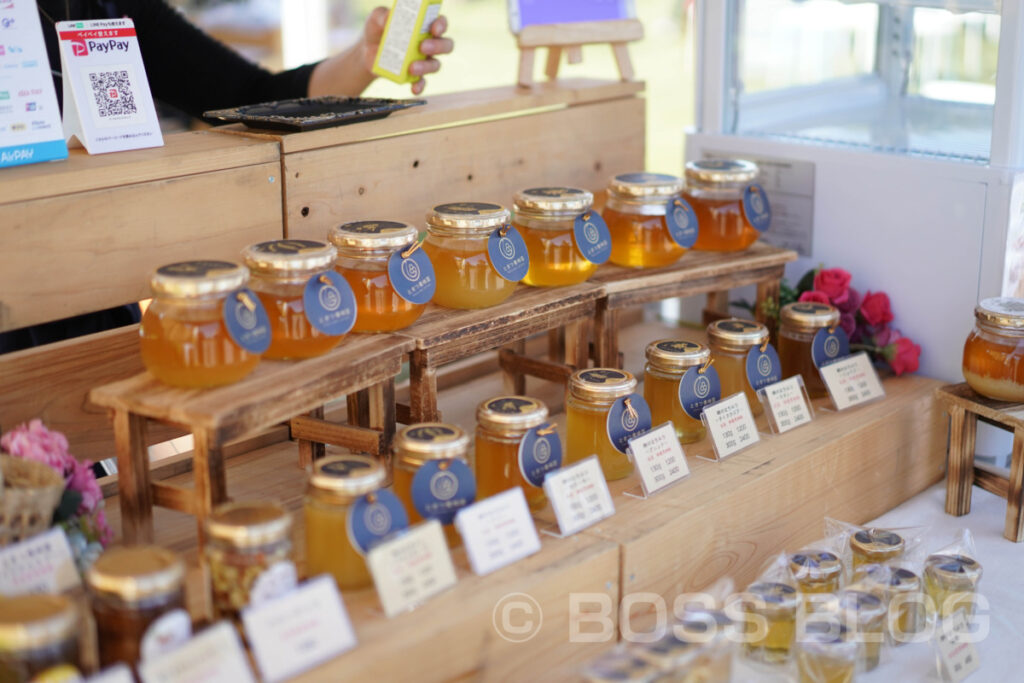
x,y
763,367
681,220
539,454
330,303
756,207
412,276
624,424
697,390
440,488
508,253
373,517
247,321
828,347
593,239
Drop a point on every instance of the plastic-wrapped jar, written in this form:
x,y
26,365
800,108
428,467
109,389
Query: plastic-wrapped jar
x,y
777,603
667,362
183,337
432,477
816,571
715,633
546,217
715,189
900,591
364,250
994,351
248,551
825,653
864,613
591,394
635,214
732,343
621,667
39,639
798,324
875,546
138,601
457,243
346,513
950,582
501,425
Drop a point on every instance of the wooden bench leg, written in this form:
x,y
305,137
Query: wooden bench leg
x,y
514,381
208,474
133,478
577,344
310,451
606,336
422,388
766,291
527,56
556,344
716,308
960,467
554,60
1015,493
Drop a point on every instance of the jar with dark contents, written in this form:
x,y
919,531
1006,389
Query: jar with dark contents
x,y
138,601
799,322
39,639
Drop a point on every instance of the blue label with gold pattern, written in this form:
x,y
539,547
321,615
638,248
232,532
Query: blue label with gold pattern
x,y
829,346
440,488
681,220
412,276
539,454
373,517
763,367
697,390
756,207
592,236
624,424
330,303
508,253
247,321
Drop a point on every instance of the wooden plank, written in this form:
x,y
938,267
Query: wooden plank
x,y
515,363
990,481
175,497
359,439
581,33
1014,530
960,464
133,468
1010,415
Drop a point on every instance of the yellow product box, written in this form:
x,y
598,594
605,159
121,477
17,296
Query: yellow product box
x,y
408,24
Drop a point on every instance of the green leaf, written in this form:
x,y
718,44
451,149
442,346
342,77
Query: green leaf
x,y
806,283
68,507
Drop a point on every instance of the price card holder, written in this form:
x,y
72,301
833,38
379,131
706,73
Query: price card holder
x,y
786,404
411,568
731,426
658,457
579,496
214,655
497,531
41,564
852,381
954,647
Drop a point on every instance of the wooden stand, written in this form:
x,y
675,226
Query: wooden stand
x,y
571,38
965,407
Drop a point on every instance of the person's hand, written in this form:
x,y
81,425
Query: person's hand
x,y
431,47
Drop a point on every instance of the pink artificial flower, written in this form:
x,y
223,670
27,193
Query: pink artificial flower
x,y
103,530
876,309
852,302
835,283
902,355
815,297
83,480
35,442
886,336
848,323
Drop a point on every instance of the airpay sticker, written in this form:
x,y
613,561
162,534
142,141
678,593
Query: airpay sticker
x,y
539,454
681,220
412,276
828,347
593,239
508,254
247,321
625,422
763,367
440,488
330,303
756,207
373,517
697,390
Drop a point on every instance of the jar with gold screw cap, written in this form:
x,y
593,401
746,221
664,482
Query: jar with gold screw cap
x,y
776,603
864,613
138,602
745,359
669,361
875,546
478,256
732,209
602,409
432,477
825,652
621,667
900,590
347,513
805,330
249,553
391,277
993,362
203,327
516,445
650,224
816,571
951,582
39,639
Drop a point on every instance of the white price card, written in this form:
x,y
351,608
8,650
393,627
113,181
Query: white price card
x,y
41,564
731,425
411,568
497,531
119,673
297,631
213,656
852,381
786,404
659,458
579,495
107,102
958,658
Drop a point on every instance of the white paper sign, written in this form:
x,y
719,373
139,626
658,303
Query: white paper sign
x,y
852,381
579,495
107,102
213,656
41,564
497,531
119,673
30,128
411,568
659,458
731,425
295,632
786,404
958,658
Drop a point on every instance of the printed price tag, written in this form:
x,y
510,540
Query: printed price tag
x,y
681,220
508,254
119,673
852,381
214,655
296,632
659,458
731,425
41,564
958,658
786,404
497,531
593,239
411,568
579,495
756,207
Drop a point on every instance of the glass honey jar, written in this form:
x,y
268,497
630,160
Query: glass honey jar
x,y
799,322
668,360
505,455
346,513
816,572
39,639
138,602
744,358
677,659
432,477
459,241
635,213
951,582
776,604
365,253
900,590
714,631
248,551
863,613
715,188
185,339
875,546
590,397
993,362
621,667
825,653
281,273
546,218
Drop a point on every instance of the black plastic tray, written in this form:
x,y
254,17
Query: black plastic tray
x,y
310,113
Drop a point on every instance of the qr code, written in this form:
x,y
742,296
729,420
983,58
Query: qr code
x,y
112,91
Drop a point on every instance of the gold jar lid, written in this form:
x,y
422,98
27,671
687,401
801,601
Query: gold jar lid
x,y
620,667
676,355
373,235
645,186
864,604
416,444
736,334
29,622
285,256
137,573
704,624
815,565
552,200
877,545
889,579
511,414
188,279
776,596
249,524
348,476
601,384
1001,312
721,171
808,315
469,216
669,653
953,568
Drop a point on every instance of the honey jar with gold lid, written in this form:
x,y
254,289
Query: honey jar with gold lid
x,y
951,582
816,571
516,445
565,238
39,639
744,358
901,591
669,361
993,362
777,604
649,223
825,652
731,208
602,411
875,546
809,336
864,614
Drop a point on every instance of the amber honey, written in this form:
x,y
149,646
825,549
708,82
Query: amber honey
x,y
776,605
501,424
544,216
635,214
951,582
901,591
798,323
591,394
993,362
714,188
667,361
816,571
730,341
